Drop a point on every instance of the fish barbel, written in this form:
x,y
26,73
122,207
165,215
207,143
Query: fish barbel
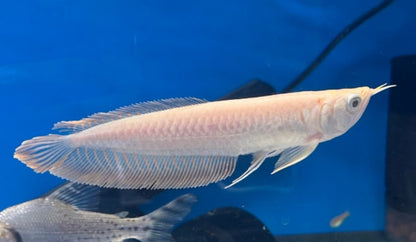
x,y
189,142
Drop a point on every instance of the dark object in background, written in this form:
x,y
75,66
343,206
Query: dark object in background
x,y
226,224
401,136
400,226
335,41
254,88
352,236
114,201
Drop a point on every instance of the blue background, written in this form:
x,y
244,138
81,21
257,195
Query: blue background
x,y
64,60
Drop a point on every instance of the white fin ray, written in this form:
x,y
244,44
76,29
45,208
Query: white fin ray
x,y
42,153
79,196
258,159
117,169
123,112
293,155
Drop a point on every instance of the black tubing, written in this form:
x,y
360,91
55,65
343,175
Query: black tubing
x,y
347,30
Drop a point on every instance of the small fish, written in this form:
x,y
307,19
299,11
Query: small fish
x,y
338,220
189,142
65,215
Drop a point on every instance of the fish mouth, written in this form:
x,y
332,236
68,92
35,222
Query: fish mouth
x,y
381,88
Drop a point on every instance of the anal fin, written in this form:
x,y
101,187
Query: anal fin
x,y
293,155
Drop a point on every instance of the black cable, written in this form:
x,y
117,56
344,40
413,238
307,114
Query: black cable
x,y
334,43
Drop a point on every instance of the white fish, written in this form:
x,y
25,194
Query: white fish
x,y
339,219
63,216
188,142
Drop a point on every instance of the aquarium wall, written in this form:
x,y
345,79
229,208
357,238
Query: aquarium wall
x,y
65,60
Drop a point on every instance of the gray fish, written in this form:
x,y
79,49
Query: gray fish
x,y
65,215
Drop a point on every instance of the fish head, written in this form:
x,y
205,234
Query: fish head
x,y
8,234
344,107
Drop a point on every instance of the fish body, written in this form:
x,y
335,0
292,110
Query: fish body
x,y
179,143
339,219
223,128
51,219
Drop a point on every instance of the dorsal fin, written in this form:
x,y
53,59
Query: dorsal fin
x,y
123,112
80,196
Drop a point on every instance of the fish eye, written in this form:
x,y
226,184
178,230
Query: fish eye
x,y
353,103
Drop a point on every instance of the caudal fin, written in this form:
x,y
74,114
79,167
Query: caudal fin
x,y
162,220
43,153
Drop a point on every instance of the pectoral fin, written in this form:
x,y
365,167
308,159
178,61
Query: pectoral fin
x,y
293,155
258,159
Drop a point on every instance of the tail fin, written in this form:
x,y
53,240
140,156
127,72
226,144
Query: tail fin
x,y
42,153
162,220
